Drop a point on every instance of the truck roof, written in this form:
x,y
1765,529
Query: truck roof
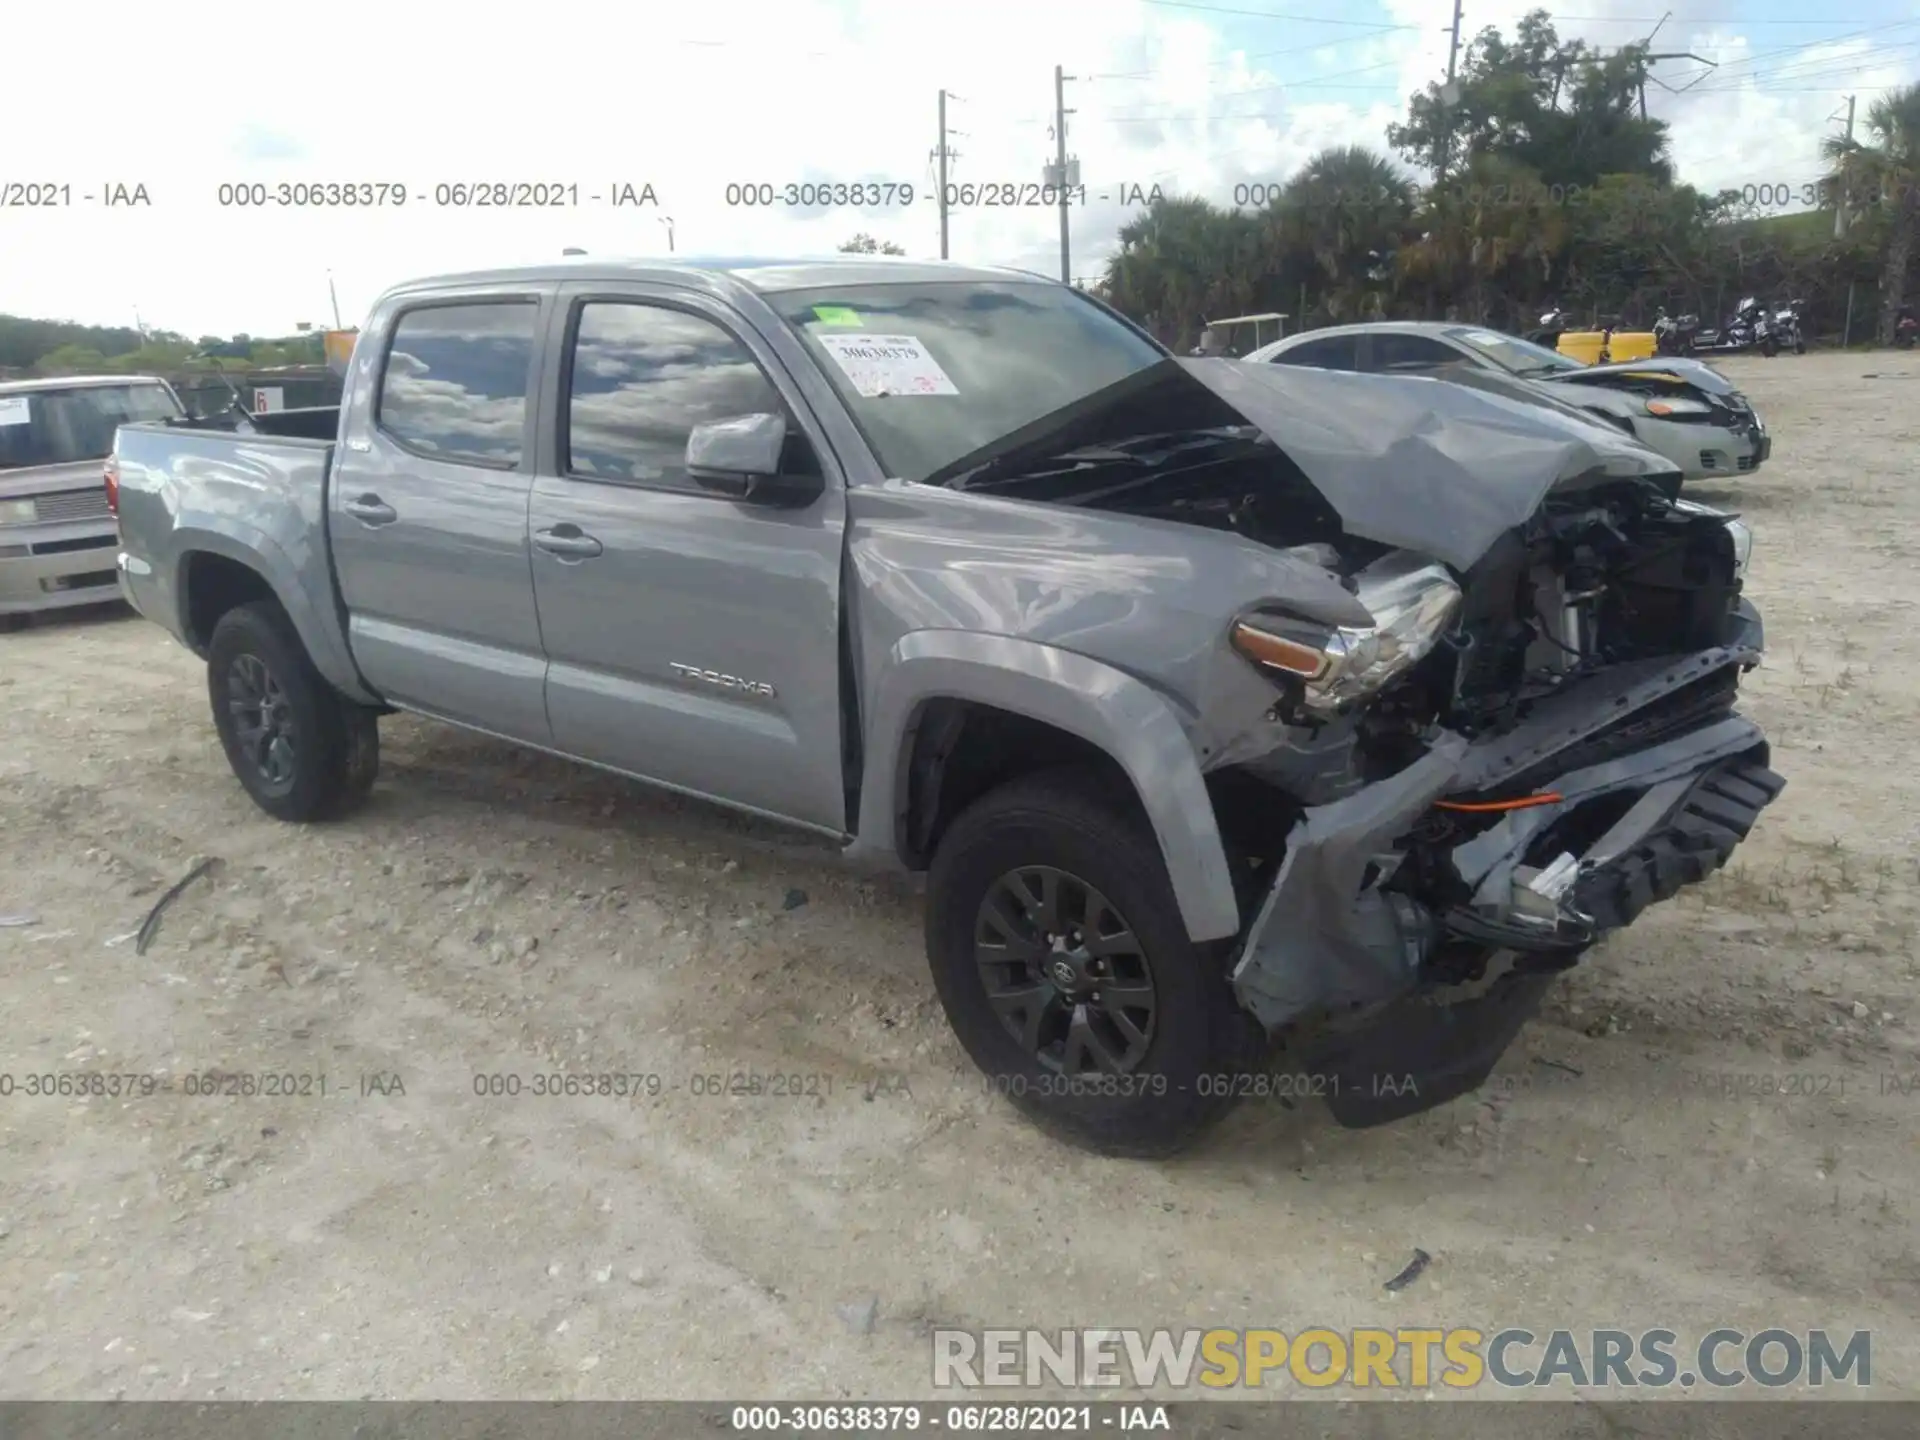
x,y
70,382
765,274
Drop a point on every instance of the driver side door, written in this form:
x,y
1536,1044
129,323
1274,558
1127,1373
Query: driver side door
x,y
692,640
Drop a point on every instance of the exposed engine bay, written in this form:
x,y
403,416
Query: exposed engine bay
x,y
1597,576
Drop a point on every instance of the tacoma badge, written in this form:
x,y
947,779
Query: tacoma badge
x,y
725,682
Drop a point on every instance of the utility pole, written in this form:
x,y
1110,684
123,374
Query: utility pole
x,y
1449,95
943,155
1840,189
1060,177
334,295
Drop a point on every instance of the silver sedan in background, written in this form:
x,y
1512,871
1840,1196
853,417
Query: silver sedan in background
x,y
1683,409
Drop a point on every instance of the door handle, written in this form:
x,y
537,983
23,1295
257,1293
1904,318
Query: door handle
x,y
370,510
567,541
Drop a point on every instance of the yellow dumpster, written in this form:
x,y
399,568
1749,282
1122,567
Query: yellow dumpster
x,y
339,348
1585,346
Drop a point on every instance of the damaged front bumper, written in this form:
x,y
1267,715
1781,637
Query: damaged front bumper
x,y
1653,749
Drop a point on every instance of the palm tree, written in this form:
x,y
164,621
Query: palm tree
x,y
1182,262
1492,240
1888,169
1347,206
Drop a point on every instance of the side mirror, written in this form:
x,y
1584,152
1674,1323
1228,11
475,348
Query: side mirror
x,y
740,458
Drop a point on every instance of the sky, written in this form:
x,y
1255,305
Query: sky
x,y
416,97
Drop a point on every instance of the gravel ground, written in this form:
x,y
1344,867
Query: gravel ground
x,y
497,913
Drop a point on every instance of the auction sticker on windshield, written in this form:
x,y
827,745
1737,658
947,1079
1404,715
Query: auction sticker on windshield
x,y
887,365
838,315
14,410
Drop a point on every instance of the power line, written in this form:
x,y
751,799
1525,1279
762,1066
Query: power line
x,y
1247,59
1323,83
1273,15
1756,58
1814,69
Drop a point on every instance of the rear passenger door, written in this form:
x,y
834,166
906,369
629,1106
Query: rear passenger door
x,y
1403,354
691,639
428,515
1336,352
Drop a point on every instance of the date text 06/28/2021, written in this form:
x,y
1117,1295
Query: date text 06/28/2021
x,y
960,195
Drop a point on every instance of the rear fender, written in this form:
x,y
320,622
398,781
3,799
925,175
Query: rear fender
x,y
313,617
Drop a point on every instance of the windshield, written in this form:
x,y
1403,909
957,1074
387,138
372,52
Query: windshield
x,y
1512,354
934,372
60,427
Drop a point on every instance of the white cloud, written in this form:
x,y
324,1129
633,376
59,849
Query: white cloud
x,y
689,99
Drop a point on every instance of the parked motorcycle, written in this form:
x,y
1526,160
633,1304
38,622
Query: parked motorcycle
x,y
1787,326
1741,332
1552,326
1675,337
1906,329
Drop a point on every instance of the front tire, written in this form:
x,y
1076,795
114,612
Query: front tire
x,y
1065,969
301,749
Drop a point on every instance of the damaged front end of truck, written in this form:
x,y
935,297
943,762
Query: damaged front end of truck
x,y
1539,732
1534,740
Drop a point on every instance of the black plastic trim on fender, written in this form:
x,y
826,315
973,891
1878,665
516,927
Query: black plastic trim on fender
x,y
1418,1054
1695,840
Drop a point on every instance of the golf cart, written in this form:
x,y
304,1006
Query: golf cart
x,y
1240,335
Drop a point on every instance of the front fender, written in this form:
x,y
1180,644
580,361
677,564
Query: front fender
x,y
1125,718
312,615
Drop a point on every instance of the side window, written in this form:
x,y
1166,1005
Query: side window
x,y
1332,354
455,386
1411,353
642,376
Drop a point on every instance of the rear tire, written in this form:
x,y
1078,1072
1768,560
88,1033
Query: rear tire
x,y
301,749
1142,1068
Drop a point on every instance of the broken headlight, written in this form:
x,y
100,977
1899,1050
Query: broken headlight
x,y
1737,532
1742,539
1412,601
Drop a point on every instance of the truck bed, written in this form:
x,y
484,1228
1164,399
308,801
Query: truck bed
x,y
193,496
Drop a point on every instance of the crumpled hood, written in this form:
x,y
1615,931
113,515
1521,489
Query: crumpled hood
x,y
1695,372
1420,463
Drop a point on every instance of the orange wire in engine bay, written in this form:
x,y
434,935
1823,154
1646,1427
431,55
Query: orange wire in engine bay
x,y
1478,807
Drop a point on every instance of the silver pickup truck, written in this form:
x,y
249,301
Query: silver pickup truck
x,y
1226,708
57,537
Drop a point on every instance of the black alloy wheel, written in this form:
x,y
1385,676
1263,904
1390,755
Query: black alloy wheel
x,y
1065,973
263,722
299,747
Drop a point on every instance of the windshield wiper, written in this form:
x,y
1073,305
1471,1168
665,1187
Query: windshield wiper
x,y
1143,451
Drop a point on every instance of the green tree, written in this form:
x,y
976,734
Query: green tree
x,y
865,244
1881,176
1183,260
1563,111
70,360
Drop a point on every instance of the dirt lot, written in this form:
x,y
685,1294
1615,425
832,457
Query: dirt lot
x,y
498,913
